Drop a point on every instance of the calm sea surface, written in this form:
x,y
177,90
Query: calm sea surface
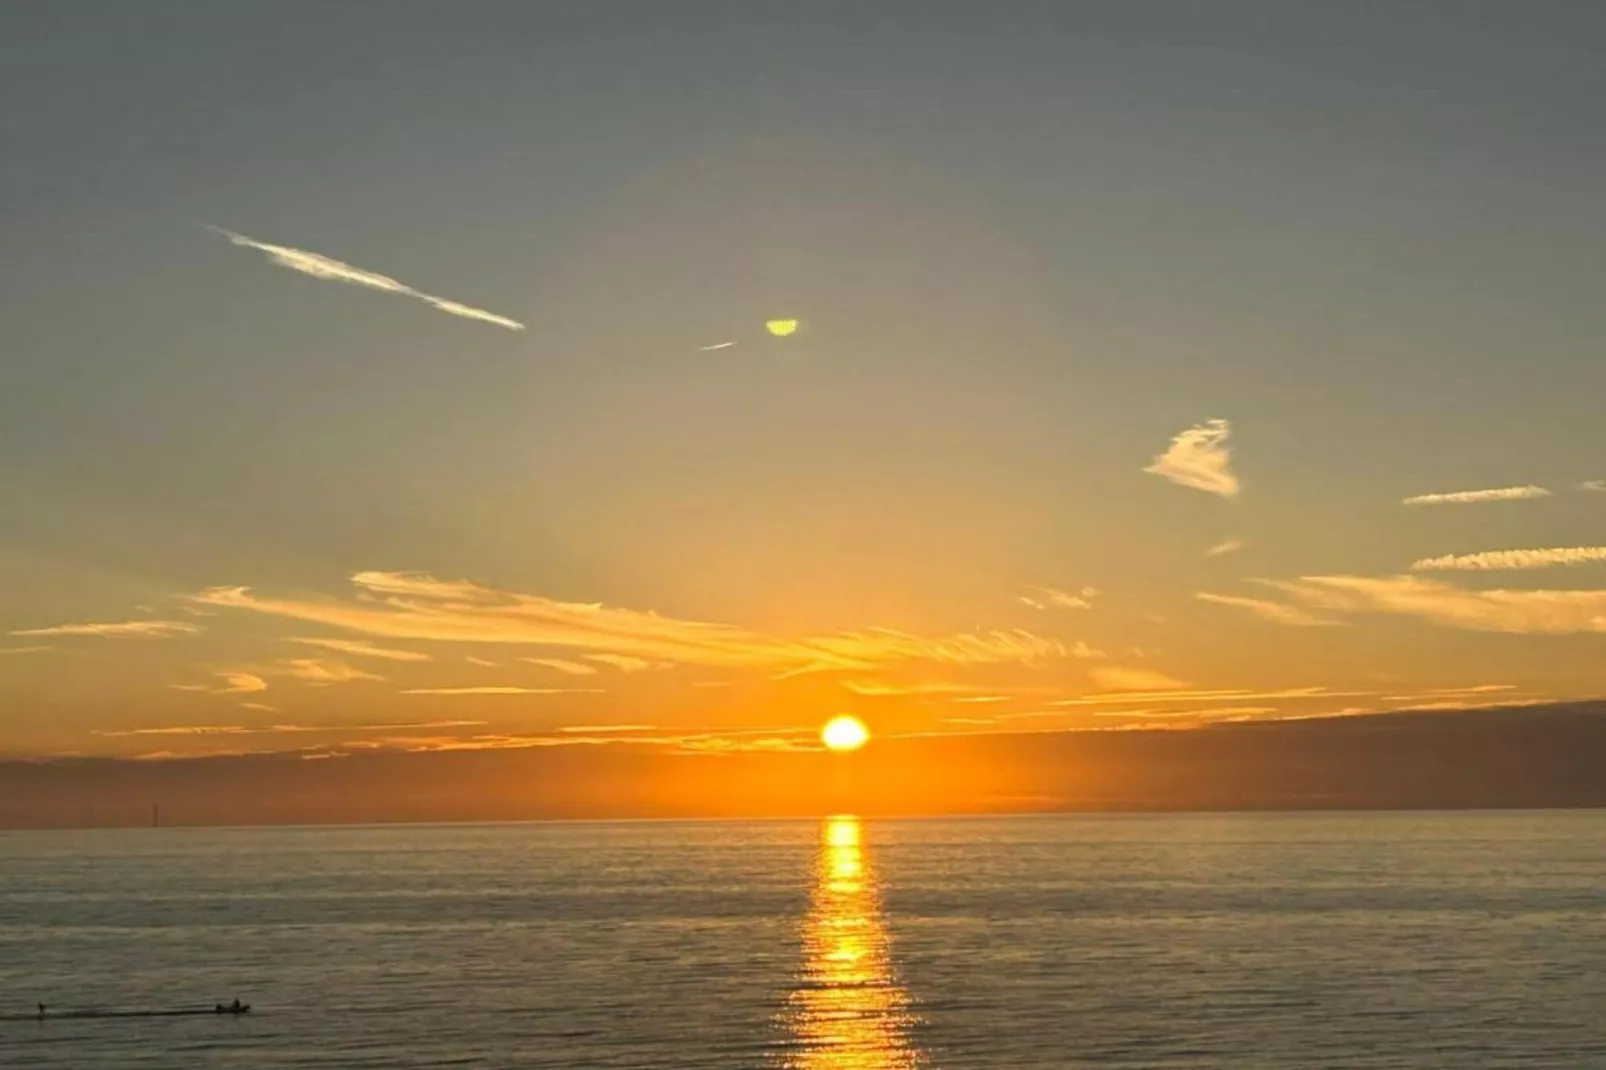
x,y
1291,941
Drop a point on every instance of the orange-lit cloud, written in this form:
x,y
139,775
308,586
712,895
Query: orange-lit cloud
x,y
363,649
22,649
501,690
1229,694
1224,547
281,729
410,606
573,668
131,629
1276,612
1122,678
1053,598
1543,612
1199,458
1497,560
326,671
323,267
622,662
1472,497
235,682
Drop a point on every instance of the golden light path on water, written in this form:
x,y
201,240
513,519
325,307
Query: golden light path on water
x,y
848,1011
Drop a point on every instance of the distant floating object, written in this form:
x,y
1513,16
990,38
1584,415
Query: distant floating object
x,y
716,345
781,328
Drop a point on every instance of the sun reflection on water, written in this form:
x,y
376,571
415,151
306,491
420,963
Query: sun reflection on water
x,y
848,1011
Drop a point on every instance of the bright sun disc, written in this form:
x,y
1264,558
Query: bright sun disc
x,y
844,733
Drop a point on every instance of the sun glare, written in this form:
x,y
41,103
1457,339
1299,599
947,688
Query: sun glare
x,y
844,733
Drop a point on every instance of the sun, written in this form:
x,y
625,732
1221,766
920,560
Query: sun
x,y
844,733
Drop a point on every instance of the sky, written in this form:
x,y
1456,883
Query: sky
x,y
397,378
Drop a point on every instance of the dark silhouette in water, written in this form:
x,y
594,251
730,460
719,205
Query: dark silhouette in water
x,y
41,1011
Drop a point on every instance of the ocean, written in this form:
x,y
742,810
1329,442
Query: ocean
x,y
1250,942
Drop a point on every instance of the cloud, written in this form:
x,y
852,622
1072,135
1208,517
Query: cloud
x,y
1199,458
573,668
608,728
1466,497
1052,598
286,729
1596,485
132,629
1080,649
260,707
1230,694
1215,712
1226,546
1120,678
325,671
882,689
1534,612
622,662
501,691
4,650
481,662
235,682
323,267
412,606
1495,560
1276,612
363,649
716,345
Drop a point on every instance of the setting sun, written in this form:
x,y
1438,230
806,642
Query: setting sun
x,y
844,733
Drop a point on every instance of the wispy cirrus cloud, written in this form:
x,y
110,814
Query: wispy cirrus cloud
x,y
1054,598
608,728
413,606
1535,612
1511,560
1123,678
361,648
322,267
502,690
1598,486
563,665
235,682
128,629
287,729
326,671
1472,497
1200,458
622,662
1226,694
4,650
1276,612
1224,547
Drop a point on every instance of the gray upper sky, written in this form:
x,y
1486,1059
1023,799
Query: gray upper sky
x,y
1029,244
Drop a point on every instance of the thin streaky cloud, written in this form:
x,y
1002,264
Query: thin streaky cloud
x,y
285,729
131,629
622,662
1226,546
361,648
1509,560
1596,485
1276,612
608,728
563,665
1472,497
502,691
419,607
1519,612
322,267
1214,695
716,345
235,682
1123,678
326,671
4,650
1200,458
1054,598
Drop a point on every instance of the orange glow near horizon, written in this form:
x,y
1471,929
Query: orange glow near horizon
x,y
844,733
848,1012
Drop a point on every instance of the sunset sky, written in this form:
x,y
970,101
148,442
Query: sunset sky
x,y
364,377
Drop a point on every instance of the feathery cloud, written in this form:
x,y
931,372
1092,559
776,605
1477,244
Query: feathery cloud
x,y
608,728
1276,612
325,671
1121,678
323,267
497,690
235,682
1472,497
563,665
1596,485
622,662
361,648
412,606
4,650
1226,546
276,729
1533,612
1199,458
1499,560
1053,598
131,629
